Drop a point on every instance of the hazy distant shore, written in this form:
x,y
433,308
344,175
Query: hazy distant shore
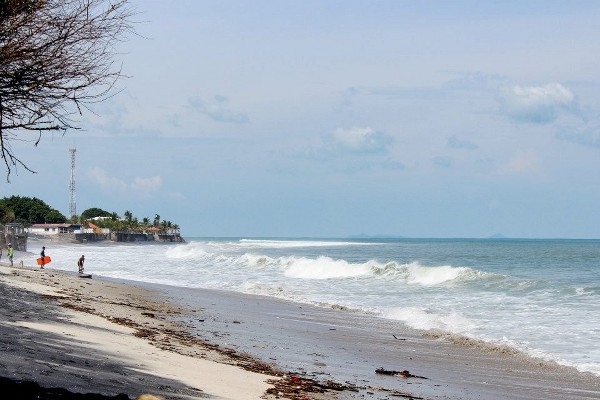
x,y
110,337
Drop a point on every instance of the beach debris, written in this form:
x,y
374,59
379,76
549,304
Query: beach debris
x,y
149,314
397,338
402,374
405,395
296,388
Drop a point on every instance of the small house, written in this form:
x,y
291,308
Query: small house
x,y
52,229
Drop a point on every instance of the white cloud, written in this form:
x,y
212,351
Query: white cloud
x,y
146,186
140,186
442,161
105,181
351,150
522,162
218,109
360,140
456,143
585,132
536,104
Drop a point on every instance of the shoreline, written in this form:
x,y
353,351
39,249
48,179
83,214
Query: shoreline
x,y
348,347
110,338
304,349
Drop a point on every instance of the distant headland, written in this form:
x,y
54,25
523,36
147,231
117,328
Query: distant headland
x,y
21,217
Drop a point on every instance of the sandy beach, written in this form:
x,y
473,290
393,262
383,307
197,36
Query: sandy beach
x,y
121,339
93,336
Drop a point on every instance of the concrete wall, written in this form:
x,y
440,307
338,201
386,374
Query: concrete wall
x,y
130,237
90,237
18,238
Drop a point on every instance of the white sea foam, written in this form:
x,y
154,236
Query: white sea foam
x,y
428,276
323,268
584,291
417,274
189,250
498,292
419,318
284,244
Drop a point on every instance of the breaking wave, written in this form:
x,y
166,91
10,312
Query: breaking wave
x,y
327,268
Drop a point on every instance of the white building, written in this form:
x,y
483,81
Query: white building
x,y
52,229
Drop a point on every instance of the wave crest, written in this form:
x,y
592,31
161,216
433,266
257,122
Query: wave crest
x,y
323,267
425,320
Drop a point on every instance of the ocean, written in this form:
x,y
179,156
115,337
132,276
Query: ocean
x,y
538,296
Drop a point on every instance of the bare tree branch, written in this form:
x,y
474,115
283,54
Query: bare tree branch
x,y
56,58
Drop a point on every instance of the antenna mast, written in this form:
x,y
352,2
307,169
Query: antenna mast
x,y
72,206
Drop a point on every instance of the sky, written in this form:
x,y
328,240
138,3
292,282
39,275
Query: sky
x,y
343,118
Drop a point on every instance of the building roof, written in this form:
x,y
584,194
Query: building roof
x,y
51,225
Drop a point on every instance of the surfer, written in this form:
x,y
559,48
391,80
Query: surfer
x,y
80,263
43,256
9,253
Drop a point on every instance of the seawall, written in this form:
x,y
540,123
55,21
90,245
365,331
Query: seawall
x,y
126,237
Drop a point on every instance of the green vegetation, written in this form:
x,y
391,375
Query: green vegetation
x,y
29,211
95,212
128,223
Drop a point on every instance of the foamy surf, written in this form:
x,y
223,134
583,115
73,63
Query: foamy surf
x,y
496,291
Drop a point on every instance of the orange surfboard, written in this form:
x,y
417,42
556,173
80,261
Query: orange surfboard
x,y
46,260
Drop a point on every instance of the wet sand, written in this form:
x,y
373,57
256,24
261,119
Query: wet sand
x,y
347,347
110,337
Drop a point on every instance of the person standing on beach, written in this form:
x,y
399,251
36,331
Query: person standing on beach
x,y
80,263
9,253
42,256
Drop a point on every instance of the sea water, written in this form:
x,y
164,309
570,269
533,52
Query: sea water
x,y
538,296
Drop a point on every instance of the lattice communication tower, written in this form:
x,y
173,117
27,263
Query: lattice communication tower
x,y
72,205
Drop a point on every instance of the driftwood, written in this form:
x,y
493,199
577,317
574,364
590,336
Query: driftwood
x,y
402,374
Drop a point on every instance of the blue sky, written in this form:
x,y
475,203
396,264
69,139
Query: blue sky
x,y
337,118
